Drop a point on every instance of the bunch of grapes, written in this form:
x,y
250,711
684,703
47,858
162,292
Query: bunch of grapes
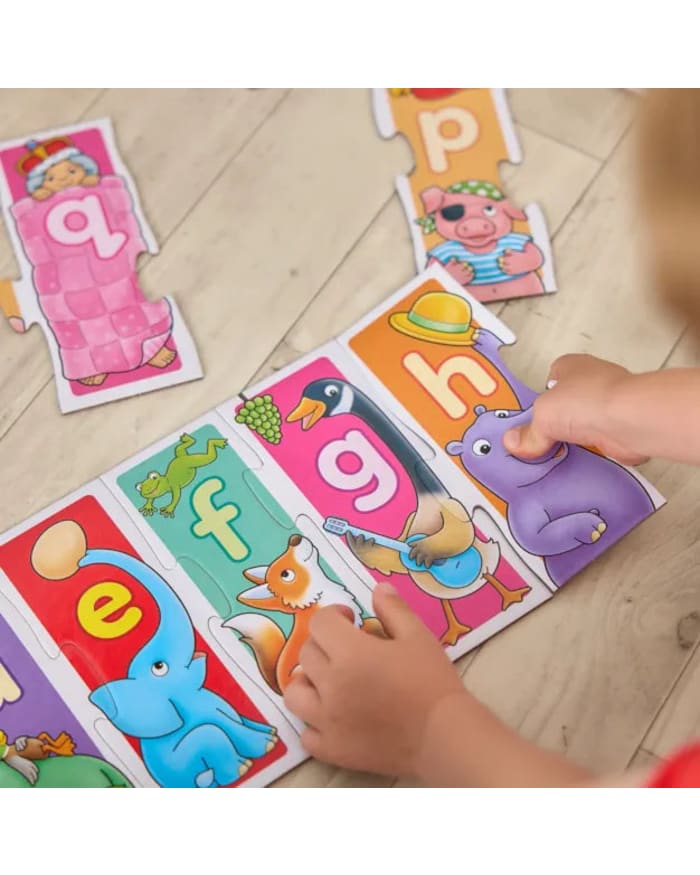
x,y
262,415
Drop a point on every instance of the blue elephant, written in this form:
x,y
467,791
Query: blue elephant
x,y
190,736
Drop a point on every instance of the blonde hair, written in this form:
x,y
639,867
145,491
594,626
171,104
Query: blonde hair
x,y
669,184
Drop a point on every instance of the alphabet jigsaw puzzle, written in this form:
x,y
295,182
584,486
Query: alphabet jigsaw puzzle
x,y
77,228
155,617
457,209
151,621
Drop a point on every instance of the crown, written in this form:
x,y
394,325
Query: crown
x,y
40,152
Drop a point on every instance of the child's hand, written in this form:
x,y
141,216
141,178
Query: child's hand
x,y
397,706
577,410
368,701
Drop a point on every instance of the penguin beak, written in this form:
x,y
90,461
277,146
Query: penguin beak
x,y
308,411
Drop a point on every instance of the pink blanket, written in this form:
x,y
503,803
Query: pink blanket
x,y
83,243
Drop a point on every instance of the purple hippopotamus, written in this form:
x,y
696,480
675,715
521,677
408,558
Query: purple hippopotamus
x,y
480,249
569,505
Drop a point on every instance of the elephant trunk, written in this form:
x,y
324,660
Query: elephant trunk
x,y
174,637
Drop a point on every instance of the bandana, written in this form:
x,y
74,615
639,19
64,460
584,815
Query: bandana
x,y
471,186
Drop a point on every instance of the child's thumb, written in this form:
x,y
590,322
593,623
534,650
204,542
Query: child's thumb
x,y
526,442
393,613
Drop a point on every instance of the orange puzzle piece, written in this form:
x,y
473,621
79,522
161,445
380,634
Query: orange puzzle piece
x,y
459,215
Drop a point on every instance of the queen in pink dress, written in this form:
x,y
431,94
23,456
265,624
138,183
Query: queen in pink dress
x,y
81,236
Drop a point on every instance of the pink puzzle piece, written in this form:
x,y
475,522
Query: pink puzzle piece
x,y
74,216
83,244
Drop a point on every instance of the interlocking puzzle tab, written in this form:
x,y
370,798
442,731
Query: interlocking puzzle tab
x,y
183,581
74,218
454,200
42,741
366,478
568,506
263,577
136,642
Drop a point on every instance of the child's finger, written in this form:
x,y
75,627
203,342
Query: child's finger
x,y
331,629
312,742
527,442
393,613
345,611
303,700
313,660
566,365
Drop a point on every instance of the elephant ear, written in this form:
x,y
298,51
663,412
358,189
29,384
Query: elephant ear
x,y
136,708
197,670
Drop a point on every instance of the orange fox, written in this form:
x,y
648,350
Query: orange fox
x,y
294,583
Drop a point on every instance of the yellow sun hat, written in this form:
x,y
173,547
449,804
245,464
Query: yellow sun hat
x,y
437,317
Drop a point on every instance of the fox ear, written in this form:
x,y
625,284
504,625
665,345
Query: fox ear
x,y
304,549
257,574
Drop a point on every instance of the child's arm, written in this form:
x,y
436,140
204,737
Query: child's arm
x,y
465,745
627,416
396,706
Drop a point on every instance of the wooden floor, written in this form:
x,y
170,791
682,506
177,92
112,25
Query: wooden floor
x,y
279,227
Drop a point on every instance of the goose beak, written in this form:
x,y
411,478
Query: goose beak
x,y
308,411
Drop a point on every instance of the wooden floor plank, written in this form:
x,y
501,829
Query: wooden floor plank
x,y
644,760
590,119
678,722
551,175
383,259
176,142
678,719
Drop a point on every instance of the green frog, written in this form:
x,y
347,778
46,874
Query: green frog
x,y
180,472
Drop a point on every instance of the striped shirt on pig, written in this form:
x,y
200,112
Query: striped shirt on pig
x,y
485,265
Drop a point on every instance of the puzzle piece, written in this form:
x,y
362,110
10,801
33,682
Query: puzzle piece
x,y
355,463
188,711
77,228
569,506
454,201
44,741
369,459
261,576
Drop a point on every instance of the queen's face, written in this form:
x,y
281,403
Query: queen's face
x,y
63,175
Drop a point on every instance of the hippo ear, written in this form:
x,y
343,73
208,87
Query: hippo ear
x,y
432,198
513,212
479,409
454,448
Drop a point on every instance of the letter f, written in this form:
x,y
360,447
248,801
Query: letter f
x,y
216,521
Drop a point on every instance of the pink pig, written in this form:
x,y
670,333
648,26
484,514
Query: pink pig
x,y
481,250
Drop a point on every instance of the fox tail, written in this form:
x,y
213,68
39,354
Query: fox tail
x,y
265,639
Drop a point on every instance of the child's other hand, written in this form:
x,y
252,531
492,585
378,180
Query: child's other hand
x,y
368,701
576,410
